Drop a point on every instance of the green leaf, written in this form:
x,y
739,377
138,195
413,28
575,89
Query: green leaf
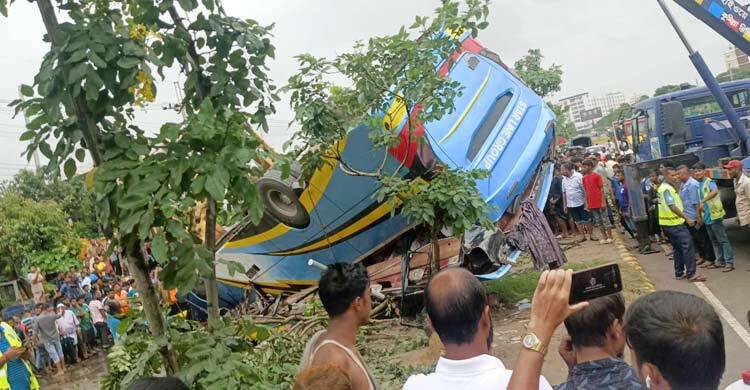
x,y
216,183
70,168
80,154
188,5
128,62
77,72
159,248
197,185
77,56
133,201
169,131
27,135
27,90
96,60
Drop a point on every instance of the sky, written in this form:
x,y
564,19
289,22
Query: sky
x,y
602,45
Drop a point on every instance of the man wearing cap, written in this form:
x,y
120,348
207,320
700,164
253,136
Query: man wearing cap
x,y
741,190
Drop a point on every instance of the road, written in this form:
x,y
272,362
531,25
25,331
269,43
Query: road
x,y
729,293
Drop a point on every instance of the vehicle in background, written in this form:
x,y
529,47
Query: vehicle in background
x,y
499,125
583,141
689,126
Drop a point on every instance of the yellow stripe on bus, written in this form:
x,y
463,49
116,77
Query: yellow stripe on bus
x,y
468,107
365,221
309,198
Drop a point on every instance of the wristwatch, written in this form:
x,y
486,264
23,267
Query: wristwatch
x,y
530,341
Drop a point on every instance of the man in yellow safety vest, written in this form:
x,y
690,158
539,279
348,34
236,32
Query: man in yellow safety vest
x,y
673,221
713,217
15,372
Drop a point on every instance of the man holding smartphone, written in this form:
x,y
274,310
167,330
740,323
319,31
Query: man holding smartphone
x,y
674,223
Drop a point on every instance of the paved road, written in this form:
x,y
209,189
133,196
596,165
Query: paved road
x,y
731,291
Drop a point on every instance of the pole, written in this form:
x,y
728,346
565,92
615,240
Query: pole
x,y
711,83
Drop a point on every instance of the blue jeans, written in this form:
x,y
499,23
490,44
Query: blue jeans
x,y
722,248
684,253
54,350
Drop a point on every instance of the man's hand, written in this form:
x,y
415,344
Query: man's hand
x,y
566,352
565,209
689,221
13,353
550,305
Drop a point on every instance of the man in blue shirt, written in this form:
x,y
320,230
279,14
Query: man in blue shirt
x,y
711,201
691,200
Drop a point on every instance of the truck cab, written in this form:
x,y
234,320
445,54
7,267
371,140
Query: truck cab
x,y
688,121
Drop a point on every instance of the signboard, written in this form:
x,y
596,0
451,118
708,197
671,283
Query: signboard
x,y
727,17
590,115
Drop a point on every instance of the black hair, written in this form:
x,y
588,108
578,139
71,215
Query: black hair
x,y
681,335
575,159
588,163
683,166
340,285
569,166
699,165
158,383
668,164
588,327
455,316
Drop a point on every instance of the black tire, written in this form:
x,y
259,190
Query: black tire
x,y
282,203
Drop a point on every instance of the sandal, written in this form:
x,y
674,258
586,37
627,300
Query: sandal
x,y
697,278
728,268
714,266
680,277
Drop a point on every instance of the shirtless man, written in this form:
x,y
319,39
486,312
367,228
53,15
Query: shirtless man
x,y
345,293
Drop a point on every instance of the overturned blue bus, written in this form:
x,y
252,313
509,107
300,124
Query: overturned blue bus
x,y
499,125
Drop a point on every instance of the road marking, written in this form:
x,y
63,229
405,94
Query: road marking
x,y
724,313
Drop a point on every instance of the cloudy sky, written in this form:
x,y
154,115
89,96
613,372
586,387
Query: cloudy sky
x,y
602,45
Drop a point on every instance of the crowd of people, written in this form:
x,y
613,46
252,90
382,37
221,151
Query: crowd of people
x,y
683,205
75,315
676,339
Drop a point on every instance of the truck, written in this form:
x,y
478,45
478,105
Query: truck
x,y
706,124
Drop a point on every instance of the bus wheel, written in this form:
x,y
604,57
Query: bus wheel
x,y
282,203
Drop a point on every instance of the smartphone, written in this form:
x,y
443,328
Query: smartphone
x,y
595,282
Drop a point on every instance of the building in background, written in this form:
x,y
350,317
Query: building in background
x,y
584,110
735,58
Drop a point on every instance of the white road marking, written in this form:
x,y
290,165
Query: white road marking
x,y
728,317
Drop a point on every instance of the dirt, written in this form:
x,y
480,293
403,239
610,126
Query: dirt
x,y
85,375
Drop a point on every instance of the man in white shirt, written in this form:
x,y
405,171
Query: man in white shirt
x,y
574,200
741,191
458,311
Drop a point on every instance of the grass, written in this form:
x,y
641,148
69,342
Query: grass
x,y
521,285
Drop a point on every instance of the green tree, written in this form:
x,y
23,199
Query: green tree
x,y
734,74
76,200
669,88
622,112
542,81
563,125
383,82
101,65
36,233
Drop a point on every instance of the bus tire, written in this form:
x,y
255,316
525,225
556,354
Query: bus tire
x,y
282,203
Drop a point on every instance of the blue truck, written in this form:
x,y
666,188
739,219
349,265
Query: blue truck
x,y
707,124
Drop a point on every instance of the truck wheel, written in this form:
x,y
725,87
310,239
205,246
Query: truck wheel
x,y
282,203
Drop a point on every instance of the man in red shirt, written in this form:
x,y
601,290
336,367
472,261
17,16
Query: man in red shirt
x,y
593,186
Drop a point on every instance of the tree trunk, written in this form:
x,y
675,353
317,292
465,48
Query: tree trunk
x,y
212,292
435,263
151,308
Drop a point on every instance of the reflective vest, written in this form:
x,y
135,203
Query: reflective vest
x,y
667,217
14,342
714,204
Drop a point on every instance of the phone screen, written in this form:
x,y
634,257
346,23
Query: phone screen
x,y
595,282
